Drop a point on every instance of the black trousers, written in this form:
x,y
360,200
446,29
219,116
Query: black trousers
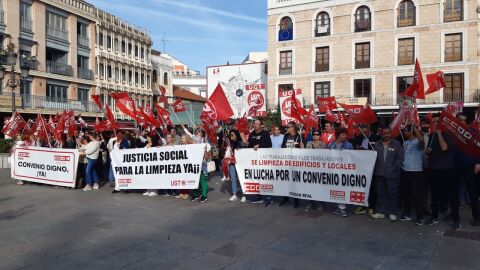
x,y
467,174
413,192
444,182
372,194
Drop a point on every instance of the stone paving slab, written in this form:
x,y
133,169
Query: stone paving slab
x,y
42,227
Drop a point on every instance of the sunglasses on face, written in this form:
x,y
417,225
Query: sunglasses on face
x,y
316,134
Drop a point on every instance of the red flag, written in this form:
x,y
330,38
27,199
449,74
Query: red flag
x,y
435,82
99,126
56,117
61,124
416,118
417,89
367,116
310,120
120,95
125,104
455,108
342,119
430,118
51,126
27,130
72,125
404,113
81,121
217,106
39,128
164,115
352,110
242,125
467,139
350,128
178,106
109,122
326,103
296,109
163,97
149,119
210,126
330,117
14,125
96,98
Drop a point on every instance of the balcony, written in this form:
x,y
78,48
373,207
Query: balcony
x,y
453,15
41,103
439,97
285,71
57,33
59,68
2,20
321,67
362,25
362,64
453,57
85,73
31,65
82,40
408,21
25,24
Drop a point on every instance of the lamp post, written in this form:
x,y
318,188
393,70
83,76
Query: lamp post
x,y
13,82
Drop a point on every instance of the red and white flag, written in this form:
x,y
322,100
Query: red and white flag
x,y
331,117
81,121
435,81
110,123
163,95
417,89
455,108
96,98
217,106
327,103
51,126
467,139
405,114
39,128
14,125
125,104
310,120
164,115
296,109
178,106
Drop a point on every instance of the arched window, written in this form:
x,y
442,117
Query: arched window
x,y
406,13
363,19
322,27
154,76
165,78
286,29
453,10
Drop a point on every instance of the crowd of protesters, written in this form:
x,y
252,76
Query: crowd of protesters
x,y
417,176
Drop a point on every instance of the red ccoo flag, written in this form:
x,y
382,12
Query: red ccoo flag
x,y
125,104
310,120
326,103
14,125
110,121
178,106
296,109
467,139
163,95
217,106
39,128
435,82
96,98
417,89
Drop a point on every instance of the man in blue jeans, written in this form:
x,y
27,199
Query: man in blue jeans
x,y
390,156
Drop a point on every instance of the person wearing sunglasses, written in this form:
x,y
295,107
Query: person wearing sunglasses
x,y
316,143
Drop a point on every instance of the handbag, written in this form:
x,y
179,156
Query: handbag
x,y
211,167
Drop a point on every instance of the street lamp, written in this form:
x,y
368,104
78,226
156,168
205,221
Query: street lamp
x,y
13,82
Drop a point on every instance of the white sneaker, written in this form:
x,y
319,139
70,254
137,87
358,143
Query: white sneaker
x,y
146,193
392,218
244,199
234,198
223,179
153,194
96,186
377,216
87,188
20,183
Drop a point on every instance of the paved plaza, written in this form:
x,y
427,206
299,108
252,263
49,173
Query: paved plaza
x,y
42,227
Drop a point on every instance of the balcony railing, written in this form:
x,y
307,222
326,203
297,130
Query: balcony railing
x,y
453,57
285,71
362,25
85,73
52,104
31,65
83,40
362,64
453,15
25,23
57,33
58,68
439,97
321,67
408,21
2,21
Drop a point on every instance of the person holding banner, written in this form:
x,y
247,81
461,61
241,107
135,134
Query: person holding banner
x,y
443,185
91,151
412,183
276,138
316,143
259,138
202,191
390,157
184,140
118,143
24,141
341,143
151,141
236,141
292,139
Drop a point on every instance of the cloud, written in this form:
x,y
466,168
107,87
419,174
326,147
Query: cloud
x,y
213,11
253,33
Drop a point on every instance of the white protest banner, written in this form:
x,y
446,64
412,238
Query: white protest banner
x,y
44,165
312,174
285,98
167,167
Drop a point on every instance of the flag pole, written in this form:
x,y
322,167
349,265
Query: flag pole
x,y
364,135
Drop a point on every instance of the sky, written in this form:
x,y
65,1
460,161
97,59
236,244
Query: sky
x,y
199,33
